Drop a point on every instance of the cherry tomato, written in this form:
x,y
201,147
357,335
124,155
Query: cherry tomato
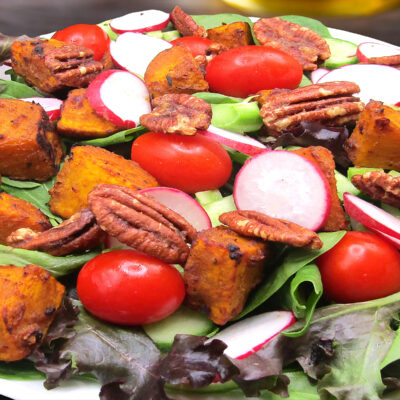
x,y
130,288
90,36
189,163
243,71
361,267
196,44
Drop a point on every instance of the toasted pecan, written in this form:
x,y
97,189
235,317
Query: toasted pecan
x,y
142,222
379,186
178,113
256,224
331,103
78,233
185,24
305,45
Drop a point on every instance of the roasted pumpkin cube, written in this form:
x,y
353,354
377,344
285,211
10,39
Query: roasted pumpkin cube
x,y
29,147
52,65
78,120
323,158
87,167
221,270
174,71
232,35
375,141
29,299
17,213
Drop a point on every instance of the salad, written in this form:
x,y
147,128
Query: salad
x,y
305,325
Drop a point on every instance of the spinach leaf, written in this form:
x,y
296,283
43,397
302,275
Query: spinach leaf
x,y
57,266
343,349
311,23
19,370
295,260
299,298
394,351
216,98
305,81
119,137
213,21
16,90
36,194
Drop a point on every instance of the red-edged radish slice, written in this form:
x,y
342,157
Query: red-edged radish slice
x,y
3,75
318,74
248,335
134,51
181,203
374,218
391,239
120,97
284,185
244,144
368,50
140,21
377,82
51,105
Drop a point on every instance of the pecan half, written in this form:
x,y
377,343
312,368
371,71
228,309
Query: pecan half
x,y
212,50
185,24
78,233
256,224
379,186
141,222
52,65
331,103
178,113
305,45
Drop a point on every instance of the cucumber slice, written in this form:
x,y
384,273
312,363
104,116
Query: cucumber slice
x,y
342,53
215,209
208,196
182,321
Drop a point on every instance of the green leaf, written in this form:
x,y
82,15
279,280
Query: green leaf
x,y
16,90
36,195
394,351
300,300
57,266
105,25
293,262
213,21
119,137
19,184
313,24
216,98
19,370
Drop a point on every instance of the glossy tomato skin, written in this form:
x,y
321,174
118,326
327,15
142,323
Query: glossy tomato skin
x,y
243,71
91,36
361,267
196,44
130,288
189,163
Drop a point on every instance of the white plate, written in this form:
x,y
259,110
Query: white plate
x,y
86,390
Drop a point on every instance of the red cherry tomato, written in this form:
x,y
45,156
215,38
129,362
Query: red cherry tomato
x,y
244,71
196,44
361,267
189,163
90,36
130,288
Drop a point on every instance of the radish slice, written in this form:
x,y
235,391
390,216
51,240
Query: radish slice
x,y
391,239
244,144
51,105
134,51
3,75
284,185
374,218
318,74
368,50
140,21
377,82
120,97
249,335
182,204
